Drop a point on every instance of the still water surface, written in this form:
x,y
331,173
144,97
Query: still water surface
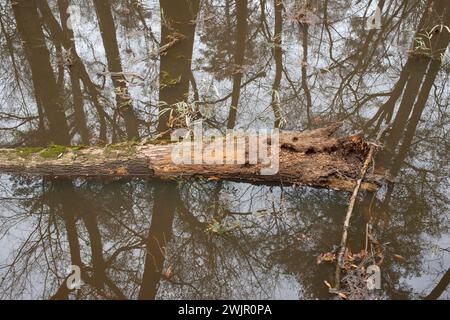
x,y
106,76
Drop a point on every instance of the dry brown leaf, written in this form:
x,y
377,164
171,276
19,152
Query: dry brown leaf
x,y
326,257
360,256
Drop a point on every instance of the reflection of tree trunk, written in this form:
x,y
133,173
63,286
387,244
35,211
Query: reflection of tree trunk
x,y
95,241
416,116
72,234
386,111
78,105
278,54
227,13
15,64
29,27
72,203
177,27
440,287
70,223
417,65
59,195
241,37
419,68
159,236
305,87
419,106
77,64
175,74
108,32
406,129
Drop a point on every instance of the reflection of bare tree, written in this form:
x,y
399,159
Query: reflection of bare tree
x,y
417,78
74,207
304,28
159,236
178,31
44,81
175,64
415,83
413,73
78,103
76,65
440,287
241,38
278,54
204,239
237,241
14,57
124,102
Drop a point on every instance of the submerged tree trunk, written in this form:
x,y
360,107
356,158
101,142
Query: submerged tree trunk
x,y
313,158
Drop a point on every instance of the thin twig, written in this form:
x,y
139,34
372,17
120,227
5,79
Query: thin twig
x,y
341,257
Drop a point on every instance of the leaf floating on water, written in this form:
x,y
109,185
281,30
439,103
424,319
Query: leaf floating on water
x,y
328,284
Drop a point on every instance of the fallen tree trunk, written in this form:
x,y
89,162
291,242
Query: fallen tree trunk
x,y
313,158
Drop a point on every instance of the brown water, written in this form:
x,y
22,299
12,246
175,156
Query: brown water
x,y
243,64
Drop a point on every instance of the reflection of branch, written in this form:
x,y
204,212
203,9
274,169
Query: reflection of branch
x,y
159,235
364,170
261,74
58,34
141,14
116,253
63,291
440,287
304,28
197,291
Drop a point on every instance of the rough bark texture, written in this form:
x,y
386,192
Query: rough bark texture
x,y
312,158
